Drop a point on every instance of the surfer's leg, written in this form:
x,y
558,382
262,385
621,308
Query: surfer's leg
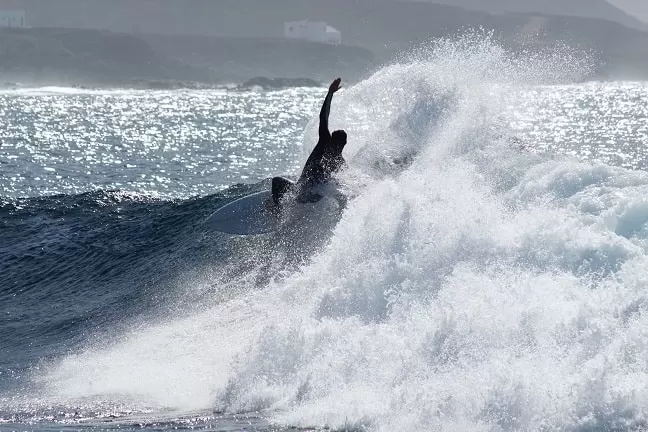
x,y
280,186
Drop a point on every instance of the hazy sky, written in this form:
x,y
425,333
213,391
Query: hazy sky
x,y
638,8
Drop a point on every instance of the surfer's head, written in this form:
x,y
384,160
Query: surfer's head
x,y
339,138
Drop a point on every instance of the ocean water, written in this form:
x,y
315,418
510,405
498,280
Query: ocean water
x,y
487,274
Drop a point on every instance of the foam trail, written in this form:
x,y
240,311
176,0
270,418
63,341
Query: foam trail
x,y
471,287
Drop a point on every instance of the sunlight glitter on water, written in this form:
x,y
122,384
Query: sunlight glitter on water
x,y
187,143
172,144
607,122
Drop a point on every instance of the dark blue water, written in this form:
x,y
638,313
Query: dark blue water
x,y
71,264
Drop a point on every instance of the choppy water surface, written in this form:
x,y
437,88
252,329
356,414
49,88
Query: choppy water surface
x,y
186,143
487,274
595,121
174,144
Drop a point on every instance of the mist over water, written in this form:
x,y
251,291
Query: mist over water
x,y
473,283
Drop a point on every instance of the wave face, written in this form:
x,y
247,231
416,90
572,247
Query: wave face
x,y
72,264
471,284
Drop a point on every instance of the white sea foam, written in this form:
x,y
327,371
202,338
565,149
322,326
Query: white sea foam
x,y
473,287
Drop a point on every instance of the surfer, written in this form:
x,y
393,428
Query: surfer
x,y
325,159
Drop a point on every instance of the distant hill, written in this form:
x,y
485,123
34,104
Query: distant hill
x,y
48,56
232,18
75,56
233,40
234,59
379,25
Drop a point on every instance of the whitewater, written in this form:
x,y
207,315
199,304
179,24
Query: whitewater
x,y
488,274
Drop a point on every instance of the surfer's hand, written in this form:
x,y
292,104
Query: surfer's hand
x,y
335,85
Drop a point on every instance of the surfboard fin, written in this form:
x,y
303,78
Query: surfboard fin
x,y
280,187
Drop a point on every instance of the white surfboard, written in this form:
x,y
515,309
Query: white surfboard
x,y
245,216
256,214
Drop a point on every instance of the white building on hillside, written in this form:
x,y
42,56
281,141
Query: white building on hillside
x,y
315,31
13,18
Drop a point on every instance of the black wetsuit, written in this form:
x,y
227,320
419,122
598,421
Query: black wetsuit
x,y
325,159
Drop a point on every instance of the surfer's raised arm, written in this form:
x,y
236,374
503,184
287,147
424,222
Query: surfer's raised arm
x,y
326,109
326,158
